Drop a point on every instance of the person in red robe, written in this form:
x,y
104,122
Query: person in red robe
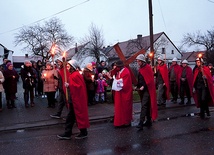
x,y
162,82
203,92
174,79
123,97
78,109
146,86
185,82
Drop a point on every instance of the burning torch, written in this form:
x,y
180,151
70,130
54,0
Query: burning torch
x,y
65,76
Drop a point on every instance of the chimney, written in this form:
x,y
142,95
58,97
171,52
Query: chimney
x,y
26,55
139,36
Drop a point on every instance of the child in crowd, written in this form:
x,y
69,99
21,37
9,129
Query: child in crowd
x,y
101,84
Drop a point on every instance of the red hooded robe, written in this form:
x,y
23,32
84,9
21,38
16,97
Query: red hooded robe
x,y
148,76
123,100
209,84
79,99
164,73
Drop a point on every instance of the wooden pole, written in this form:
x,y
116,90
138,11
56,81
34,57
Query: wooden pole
x,y
151,32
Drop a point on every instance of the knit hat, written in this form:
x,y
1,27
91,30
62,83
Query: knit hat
x,y
8,64
93,63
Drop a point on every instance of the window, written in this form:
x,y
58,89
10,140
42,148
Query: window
x,y
163,51
172,52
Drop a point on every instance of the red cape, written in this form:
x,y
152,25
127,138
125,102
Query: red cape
x,y
123,100
164,73
79,99
148,76
189,77
209,84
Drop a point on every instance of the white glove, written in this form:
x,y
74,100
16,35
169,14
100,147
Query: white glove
x,y
193,90
66,84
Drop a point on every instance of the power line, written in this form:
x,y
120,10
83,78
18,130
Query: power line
x,y
162,15
47,17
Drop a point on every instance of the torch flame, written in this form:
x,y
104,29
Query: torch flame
x,y
150,54
53,49
200,55
64,54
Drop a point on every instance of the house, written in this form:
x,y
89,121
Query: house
x,y
5,53
191,56
18,61
84,55
162,46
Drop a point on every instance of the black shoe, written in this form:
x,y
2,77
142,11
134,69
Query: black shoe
x,y
64,137
202,116
147,123
57,116
81,136
188,102
140,125
181,103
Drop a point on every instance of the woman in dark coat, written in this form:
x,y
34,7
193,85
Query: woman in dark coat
x,y
10,85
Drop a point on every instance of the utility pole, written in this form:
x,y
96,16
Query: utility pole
x,y
152,53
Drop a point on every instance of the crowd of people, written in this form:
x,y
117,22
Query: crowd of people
x,y
76,88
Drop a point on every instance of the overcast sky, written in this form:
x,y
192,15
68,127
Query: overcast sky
x,y
120,20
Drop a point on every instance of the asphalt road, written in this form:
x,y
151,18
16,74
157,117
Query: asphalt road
x,y
175,135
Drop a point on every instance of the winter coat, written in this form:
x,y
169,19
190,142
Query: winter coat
x,y
87,75
1,81
28,77
50,78
101,84
10,83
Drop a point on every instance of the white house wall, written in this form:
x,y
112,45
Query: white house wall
x,y
168,49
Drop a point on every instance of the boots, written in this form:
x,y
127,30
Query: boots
x,y
13,104
32,104
188,102
9,105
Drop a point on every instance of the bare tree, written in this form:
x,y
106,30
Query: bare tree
x,y
205,40
94,41
38,39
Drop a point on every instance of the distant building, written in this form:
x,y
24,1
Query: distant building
x,y
5,53
19,60
162,46
191,57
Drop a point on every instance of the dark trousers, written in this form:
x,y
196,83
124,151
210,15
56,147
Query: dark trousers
x,y
91,94
70,120
28,92
61,102
203,98
51,98
161,94
184,89
10,97
145,107
174,90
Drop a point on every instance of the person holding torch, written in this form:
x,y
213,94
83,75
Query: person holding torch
x,y
78,108
62,72
203,93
